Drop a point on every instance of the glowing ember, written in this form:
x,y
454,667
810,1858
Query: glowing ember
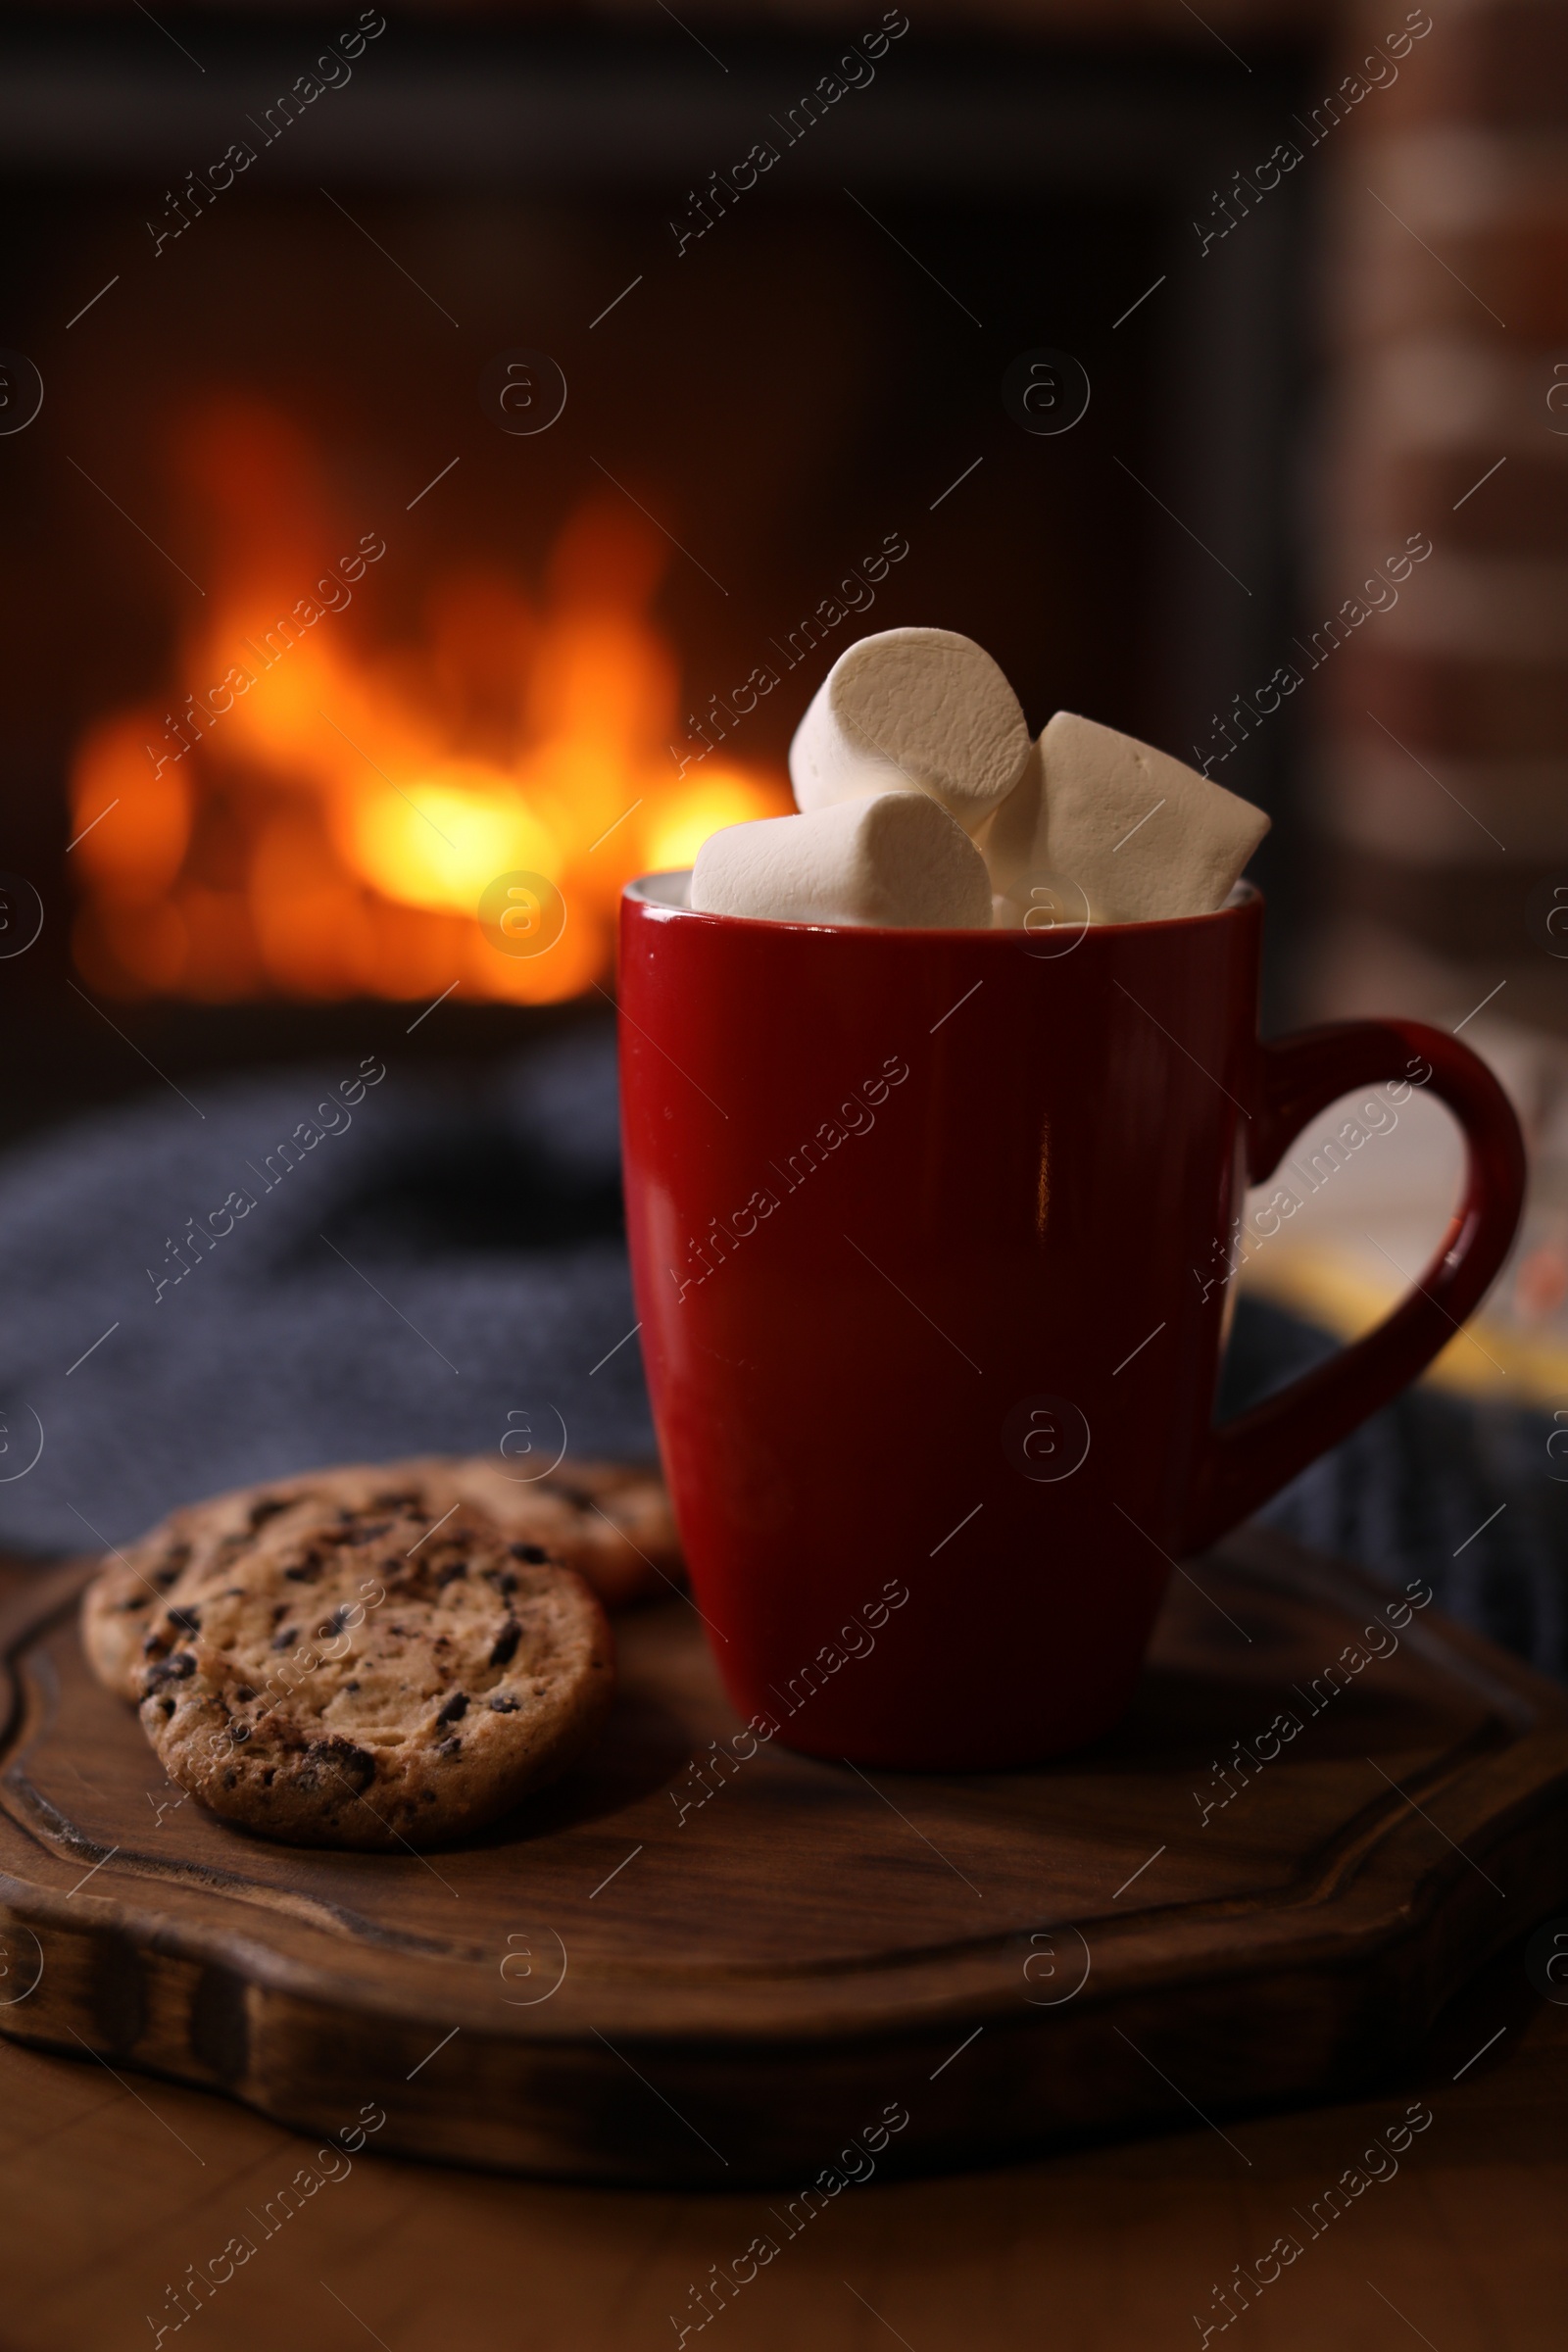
x,y
304,814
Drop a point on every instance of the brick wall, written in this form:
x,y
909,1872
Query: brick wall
x,y
1440,792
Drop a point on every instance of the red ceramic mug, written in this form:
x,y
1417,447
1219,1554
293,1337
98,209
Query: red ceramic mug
x,y
928,1234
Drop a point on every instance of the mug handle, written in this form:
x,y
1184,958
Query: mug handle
x,y
1247,1459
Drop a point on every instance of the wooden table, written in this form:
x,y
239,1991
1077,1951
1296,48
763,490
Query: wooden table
x,y
112,2184
109,2188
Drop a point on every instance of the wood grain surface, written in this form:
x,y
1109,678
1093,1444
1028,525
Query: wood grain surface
x,y
116,2187
113,2187
679,1971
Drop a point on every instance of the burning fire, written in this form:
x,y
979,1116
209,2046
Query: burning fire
x,y
306,814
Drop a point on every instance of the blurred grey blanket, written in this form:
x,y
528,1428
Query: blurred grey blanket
x,y
413,1264
441,1267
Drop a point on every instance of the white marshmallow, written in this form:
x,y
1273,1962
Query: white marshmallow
x,y
1143,837
1012,841
896,859
911,710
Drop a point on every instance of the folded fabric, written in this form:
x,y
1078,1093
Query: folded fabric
x,y
443,1268
1407,1492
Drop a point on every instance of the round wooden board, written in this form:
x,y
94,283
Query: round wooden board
x,y
669,1970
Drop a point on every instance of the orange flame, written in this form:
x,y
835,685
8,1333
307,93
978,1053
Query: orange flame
x,y
305,816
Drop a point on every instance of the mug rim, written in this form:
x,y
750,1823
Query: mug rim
x,y
641,893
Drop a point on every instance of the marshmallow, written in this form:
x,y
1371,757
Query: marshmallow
x,y
1012,841
1142,837
911,710
896,859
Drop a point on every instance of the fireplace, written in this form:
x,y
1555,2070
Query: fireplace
x,y
457,479
307,813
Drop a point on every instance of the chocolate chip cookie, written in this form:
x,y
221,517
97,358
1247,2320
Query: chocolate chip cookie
x,y
200,1539
372,1676
611,1521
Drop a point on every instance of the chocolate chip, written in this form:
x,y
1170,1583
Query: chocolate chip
x,y
287,1638
447,1747
243,1692
535,1553
326,1758
455,1708
336,1622
176,1669
501,1705
188,1620
267,1508
137,1600
451,1572
242,1731
504,1648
